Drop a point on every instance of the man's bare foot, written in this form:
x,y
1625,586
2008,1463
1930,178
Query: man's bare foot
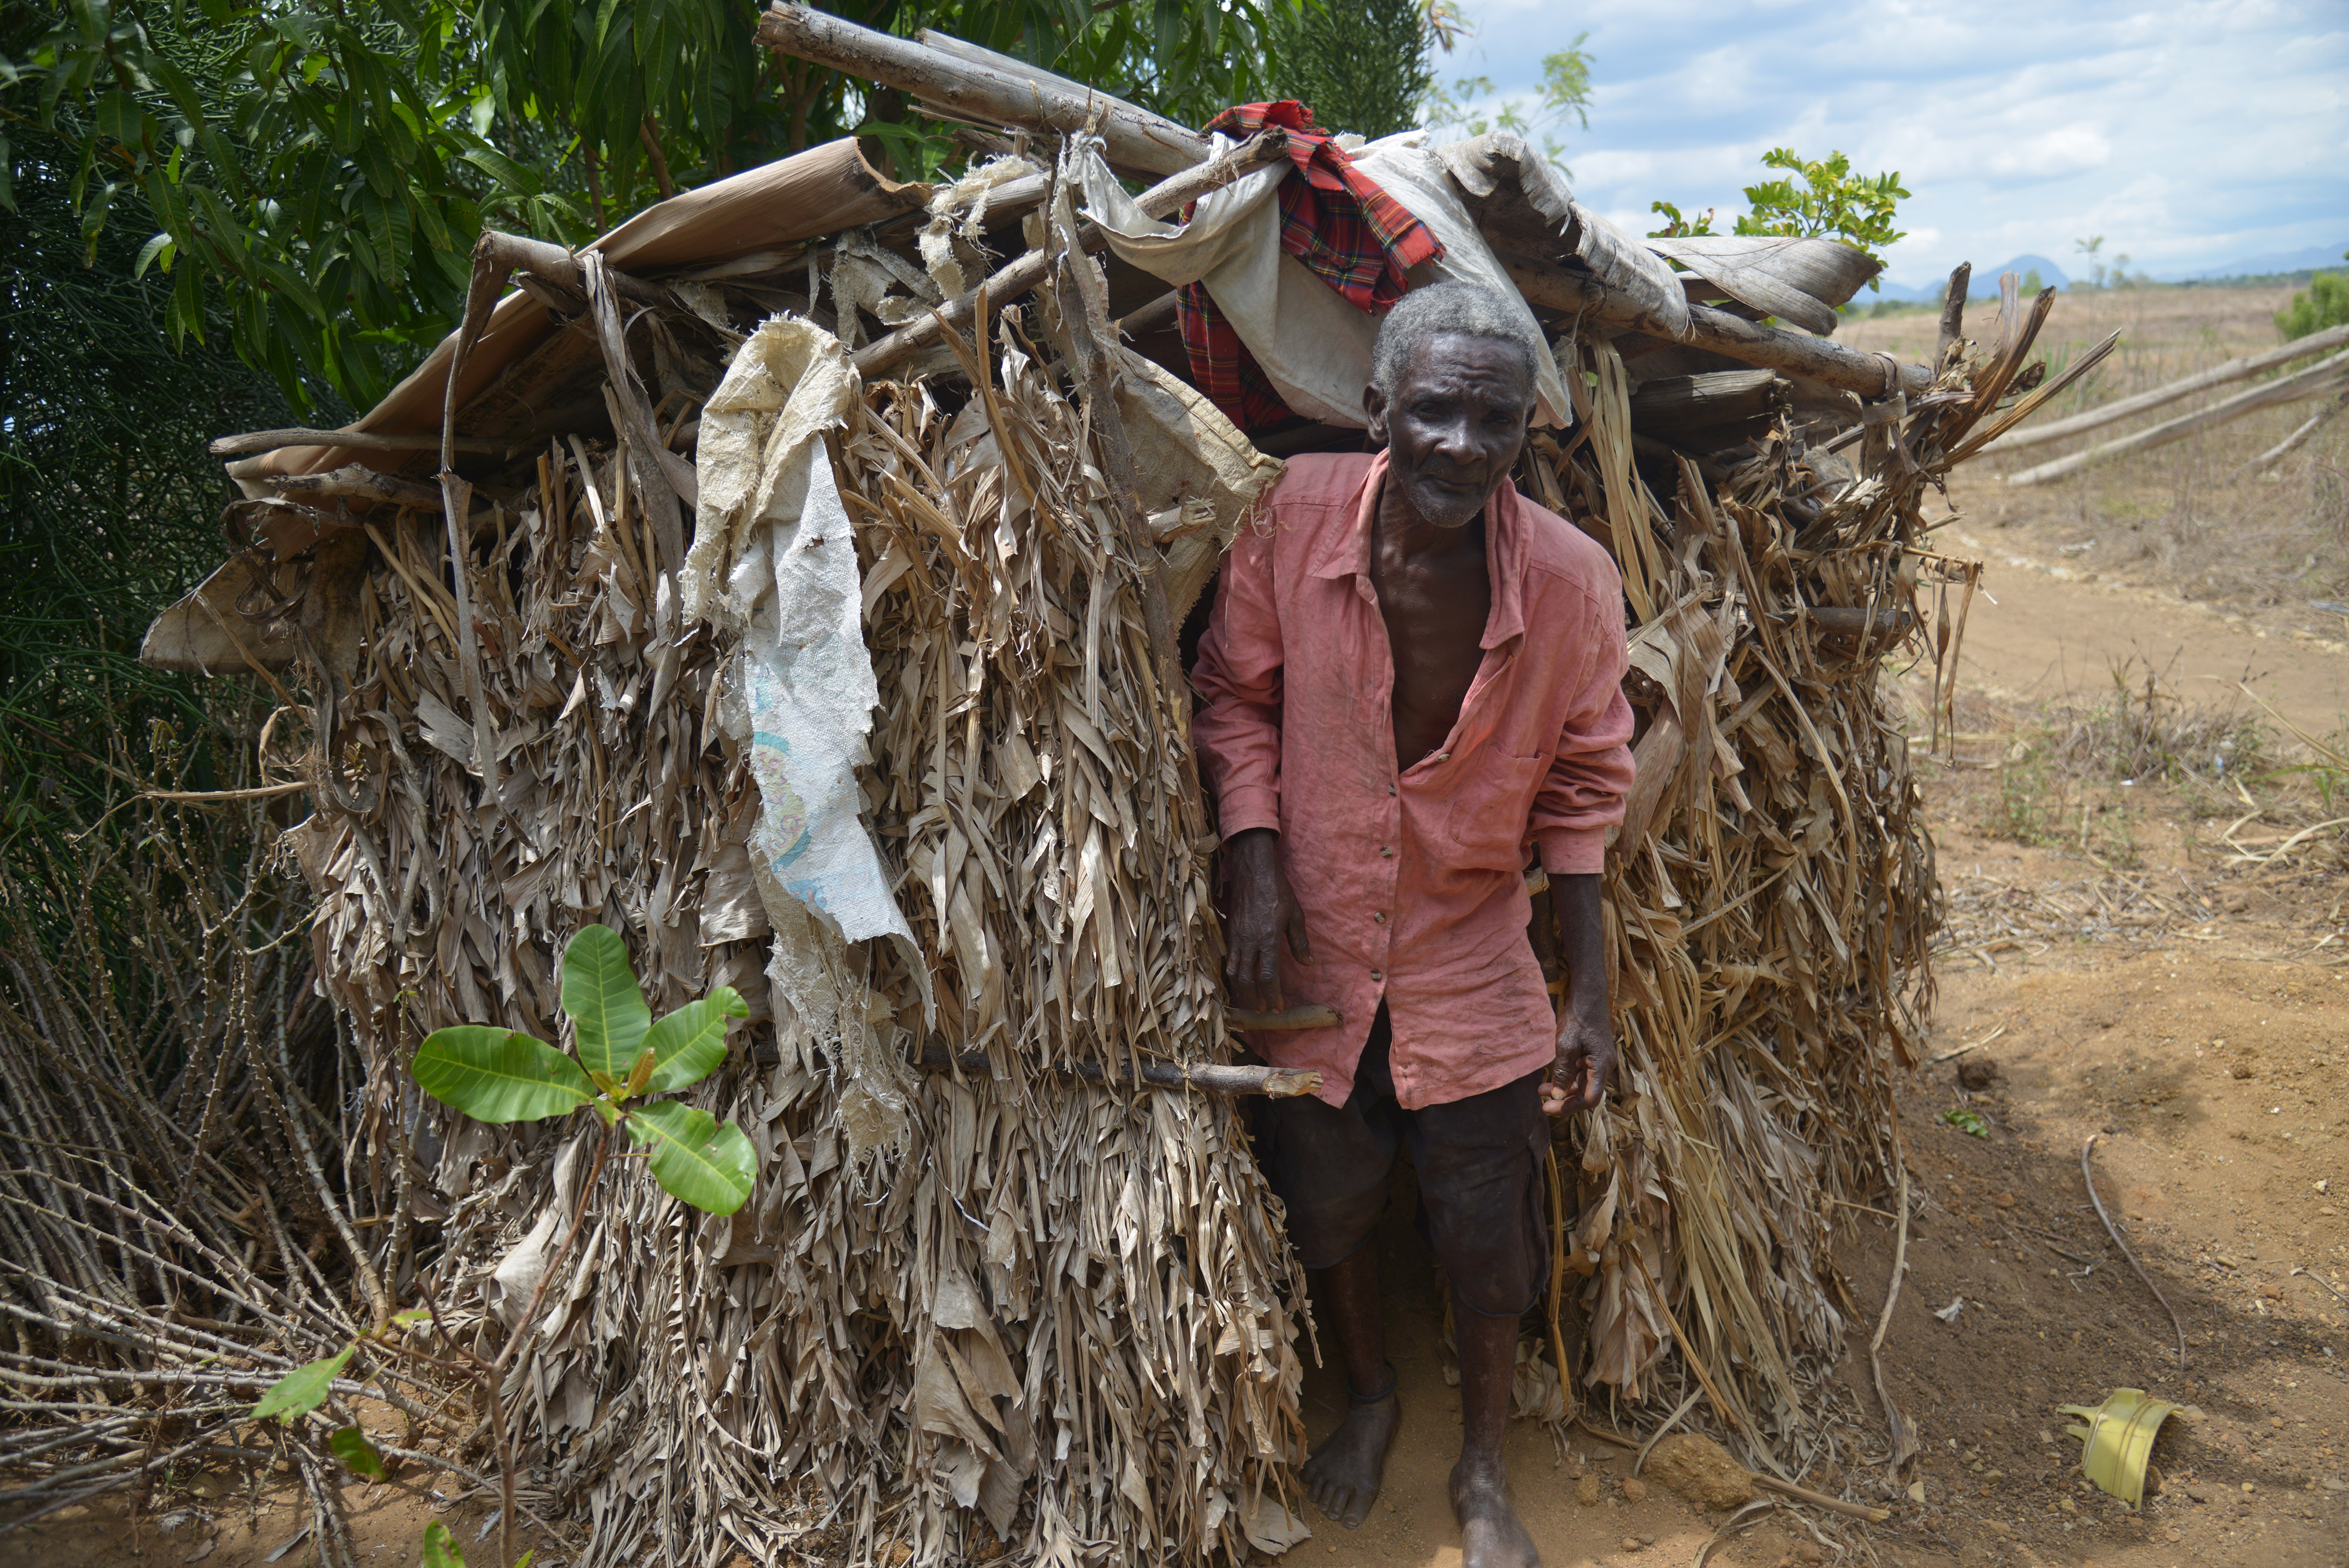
x,y
1342,1476
1490,1535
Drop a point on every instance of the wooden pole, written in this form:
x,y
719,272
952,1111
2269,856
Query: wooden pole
x,y
2239,369
1553,287
1207,1077
351,440
362,482
1953,313
2313,382
1133,137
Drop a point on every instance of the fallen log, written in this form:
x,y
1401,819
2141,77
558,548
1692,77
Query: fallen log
x,y
2293,442
2313,382
1207,1077
1132,137
1018,277
2239,369
1550,287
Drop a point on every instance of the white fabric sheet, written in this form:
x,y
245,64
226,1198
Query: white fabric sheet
x,y
773,563
1314,345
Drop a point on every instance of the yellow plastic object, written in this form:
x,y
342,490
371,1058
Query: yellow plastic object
x,y
2118,1439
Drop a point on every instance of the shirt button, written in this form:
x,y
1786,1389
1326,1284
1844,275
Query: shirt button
x,y
1377,974
1386,851
1380,916
1390,789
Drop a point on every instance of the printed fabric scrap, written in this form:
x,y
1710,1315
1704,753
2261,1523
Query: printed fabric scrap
x,y
773,567
1334,219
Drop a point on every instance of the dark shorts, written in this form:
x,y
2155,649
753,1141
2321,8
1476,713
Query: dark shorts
x,y
1479,1163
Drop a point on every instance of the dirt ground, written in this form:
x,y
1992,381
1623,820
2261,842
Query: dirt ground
x,y
2141,980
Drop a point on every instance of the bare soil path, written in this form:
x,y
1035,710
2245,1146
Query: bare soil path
x,y
2049,629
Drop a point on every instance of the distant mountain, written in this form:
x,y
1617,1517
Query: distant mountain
x,y
2315,258
1984,284
1986,278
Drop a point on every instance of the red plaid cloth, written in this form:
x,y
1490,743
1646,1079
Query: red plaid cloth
x,y
1353,235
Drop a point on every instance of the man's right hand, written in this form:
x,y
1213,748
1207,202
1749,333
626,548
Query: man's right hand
x,y
1264,914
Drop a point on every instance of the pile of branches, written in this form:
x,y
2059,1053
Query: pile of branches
x,y
175,1128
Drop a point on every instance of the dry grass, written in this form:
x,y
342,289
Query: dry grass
x,y
2178,517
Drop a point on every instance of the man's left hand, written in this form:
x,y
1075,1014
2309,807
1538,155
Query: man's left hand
x,y
1585,1060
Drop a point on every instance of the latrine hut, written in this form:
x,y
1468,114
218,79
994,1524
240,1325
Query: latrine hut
x,y
801,593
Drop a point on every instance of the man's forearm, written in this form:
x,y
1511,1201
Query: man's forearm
x,y
1582,939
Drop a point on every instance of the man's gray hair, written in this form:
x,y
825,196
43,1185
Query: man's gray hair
x,y
1449,309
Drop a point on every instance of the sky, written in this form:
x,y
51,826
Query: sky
x,y
2189,135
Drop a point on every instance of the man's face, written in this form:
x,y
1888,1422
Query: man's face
x,y
1454,427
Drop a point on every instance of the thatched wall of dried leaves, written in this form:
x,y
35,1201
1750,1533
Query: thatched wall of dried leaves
x,y
1771,897
1056,1313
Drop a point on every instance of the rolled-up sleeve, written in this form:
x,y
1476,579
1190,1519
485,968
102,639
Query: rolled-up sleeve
x,y
1236,728
1590,772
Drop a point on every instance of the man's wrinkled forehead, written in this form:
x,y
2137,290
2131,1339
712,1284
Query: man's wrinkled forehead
x,y
1456,365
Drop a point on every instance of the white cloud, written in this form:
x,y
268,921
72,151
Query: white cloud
x,y
2058,152
2189,134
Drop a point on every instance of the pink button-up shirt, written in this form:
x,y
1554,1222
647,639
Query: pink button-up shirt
x,y
1412,882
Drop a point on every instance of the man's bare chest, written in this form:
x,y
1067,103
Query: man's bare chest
x,y
1435,626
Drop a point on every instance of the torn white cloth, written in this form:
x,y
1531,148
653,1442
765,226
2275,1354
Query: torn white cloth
x,y
773,563
1314,345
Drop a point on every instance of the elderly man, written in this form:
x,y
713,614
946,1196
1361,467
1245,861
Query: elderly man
x,y
1409,688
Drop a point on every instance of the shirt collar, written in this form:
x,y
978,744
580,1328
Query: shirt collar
x,y
1347,552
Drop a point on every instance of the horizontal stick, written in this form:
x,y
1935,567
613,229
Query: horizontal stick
x,y
1821,1500
366,484
1020,276
1553,287
1132,137
350,440
1837,620
1207,1077
1311,1015
2250,365
1150,317
550,263
2313,382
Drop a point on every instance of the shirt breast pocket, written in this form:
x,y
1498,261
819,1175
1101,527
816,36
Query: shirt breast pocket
x,y
1491,808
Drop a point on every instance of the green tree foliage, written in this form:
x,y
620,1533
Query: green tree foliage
x,y
109,511
2323,302
324,168
1364,66
1821,197
1564,94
